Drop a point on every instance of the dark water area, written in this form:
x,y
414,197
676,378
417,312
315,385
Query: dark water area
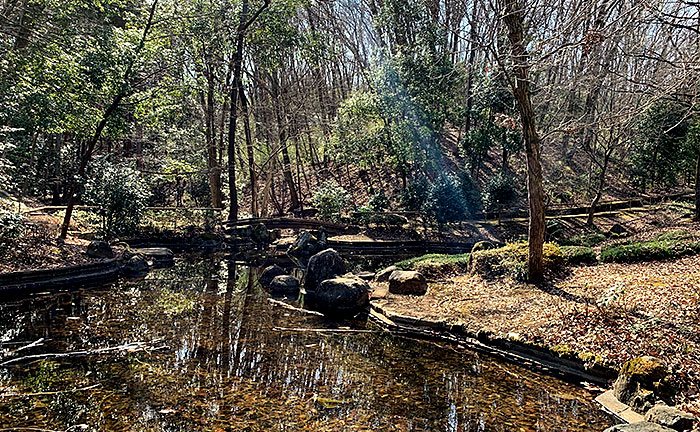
x,y
218,356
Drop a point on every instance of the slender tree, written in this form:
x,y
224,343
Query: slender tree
x,y
513,19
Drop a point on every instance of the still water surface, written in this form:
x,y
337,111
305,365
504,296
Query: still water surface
x,y
217,361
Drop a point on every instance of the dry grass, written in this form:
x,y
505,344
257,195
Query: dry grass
x,y
613,311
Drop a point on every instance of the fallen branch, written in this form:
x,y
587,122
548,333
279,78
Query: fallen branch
x,y
317,330
36,343
130,347
48,393
290,307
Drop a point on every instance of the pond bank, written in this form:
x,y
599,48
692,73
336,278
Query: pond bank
x,y
597,317
232,364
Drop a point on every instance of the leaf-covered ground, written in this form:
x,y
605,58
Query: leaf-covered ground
x,y
611,312
39,248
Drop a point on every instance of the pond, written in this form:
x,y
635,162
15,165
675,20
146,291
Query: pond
x,y
216,355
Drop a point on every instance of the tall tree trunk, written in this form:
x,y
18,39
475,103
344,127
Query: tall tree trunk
x,y
243,25
601,185
282,127
697,187
213,167
90,147
521,89
250,154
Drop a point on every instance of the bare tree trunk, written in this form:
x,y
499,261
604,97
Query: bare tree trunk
x,y
243,25
521,89
697,187
251,156
601,185
210,131
90,147
282,128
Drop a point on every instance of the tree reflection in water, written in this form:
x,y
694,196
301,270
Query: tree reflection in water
x,y
225,367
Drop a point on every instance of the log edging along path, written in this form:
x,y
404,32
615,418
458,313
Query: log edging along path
x,y
511,350
74,276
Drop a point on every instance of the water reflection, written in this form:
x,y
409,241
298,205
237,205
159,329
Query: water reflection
x,y
226,369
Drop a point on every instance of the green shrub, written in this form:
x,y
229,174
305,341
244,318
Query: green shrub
x,y
415,194
330,199
11,229
588,240
511,260
378,202
436,264
470,192
445,201
500,194
665,246
575,255
121,196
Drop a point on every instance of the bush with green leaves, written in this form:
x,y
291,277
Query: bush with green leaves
x,y
512,260
665,246
445,201
378,202
659,151
436,265
330,199
500,194
121,196
470,192
414,195
11,229
576,255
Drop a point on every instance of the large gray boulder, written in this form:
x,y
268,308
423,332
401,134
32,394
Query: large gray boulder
x,y
324,265
670,418
306,245
284,285
640,383
269,273
638,427
407,282
341,296
99,249
383,275
136,265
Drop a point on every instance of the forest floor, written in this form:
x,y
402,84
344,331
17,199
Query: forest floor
x,y
607,313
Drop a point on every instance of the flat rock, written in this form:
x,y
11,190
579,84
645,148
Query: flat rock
x,y
383,275
158,253
638,427
366,275
284,284
407,282
670,417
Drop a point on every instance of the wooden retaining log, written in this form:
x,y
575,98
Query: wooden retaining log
x,y
73,276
